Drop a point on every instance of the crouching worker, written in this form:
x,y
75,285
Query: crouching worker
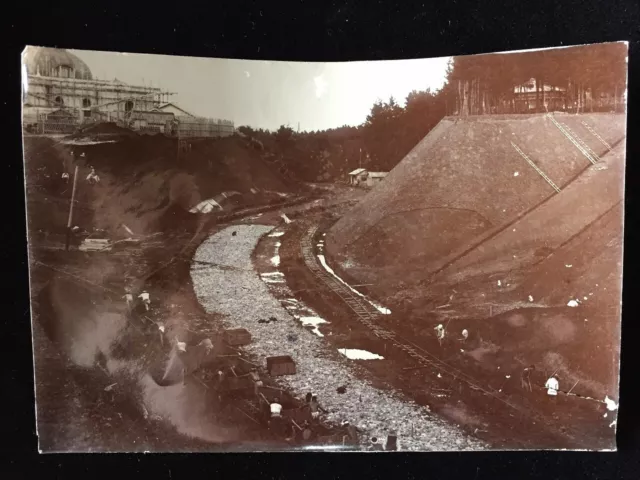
x,y
276,409
276,421
315,407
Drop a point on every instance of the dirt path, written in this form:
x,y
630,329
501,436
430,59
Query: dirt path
x,y
490,416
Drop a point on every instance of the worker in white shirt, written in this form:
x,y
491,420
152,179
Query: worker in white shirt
x,y
144,296
161,328
65,177
465,334
276,408
552,386
439,333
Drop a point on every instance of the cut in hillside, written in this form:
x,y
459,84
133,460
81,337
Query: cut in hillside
x,y
533,237
559,312
464,180
143,179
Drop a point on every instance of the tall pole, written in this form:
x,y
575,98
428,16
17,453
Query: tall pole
x,y
73,199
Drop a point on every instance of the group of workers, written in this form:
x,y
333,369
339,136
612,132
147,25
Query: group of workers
x,y
441,331
552,384
144,297
277,420
93,178
311,402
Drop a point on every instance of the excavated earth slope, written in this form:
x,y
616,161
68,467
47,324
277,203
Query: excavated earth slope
x,y
463,182
145,181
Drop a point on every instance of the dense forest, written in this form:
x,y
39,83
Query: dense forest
x,y
579,79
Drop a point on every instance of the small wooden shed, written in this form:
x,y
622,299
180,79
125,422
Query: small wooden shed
x,y
237,336
281,365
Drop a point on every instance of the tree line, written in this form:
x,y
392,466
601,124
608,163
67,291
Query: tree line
x,y
579,79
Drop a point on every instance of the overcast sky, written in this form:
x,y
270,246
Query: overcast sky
x,y
269,94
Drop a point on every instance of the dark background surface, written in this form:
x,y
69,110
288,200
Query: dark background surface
x,y
319,31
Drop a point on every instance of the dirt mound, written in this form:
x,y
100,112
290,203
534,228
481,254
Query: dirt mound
x,y
464,179
142,179
104,128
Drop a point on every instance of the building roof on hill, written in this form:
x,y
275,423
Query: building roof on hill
x,y
358,171
173,105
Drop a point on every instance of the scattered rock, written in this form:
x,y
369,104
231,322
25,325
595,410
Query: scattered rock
x,y
341,389
241,296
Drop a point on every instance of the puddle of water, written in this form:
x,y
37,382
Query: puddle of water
x,y
356,354
272,280
313,322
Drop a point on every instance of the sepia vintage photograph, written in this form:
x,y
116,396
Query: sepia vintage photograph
x,y
394,255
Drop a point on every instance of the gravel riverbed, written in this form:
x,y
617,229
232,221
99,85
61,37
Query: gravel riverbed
x,y
225,282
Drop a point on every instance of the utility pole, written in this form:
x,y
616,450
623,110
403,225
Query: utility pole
x,y
360,159
73,199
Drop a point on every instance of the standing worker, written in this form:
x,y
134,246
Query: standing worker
x,y
552,386
439,333
128,297
257,383
144,296
525,378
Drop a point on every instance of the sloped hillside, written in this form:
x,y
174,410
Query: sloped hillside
x,y
143,178
554,223
464,180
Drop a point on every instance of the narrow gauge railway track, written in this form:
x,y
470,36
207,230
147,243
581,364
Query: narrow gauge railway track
x,y
366,314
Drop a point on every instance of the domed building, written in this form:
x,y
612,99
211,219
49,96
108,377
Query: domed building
x,y
54,62
60,92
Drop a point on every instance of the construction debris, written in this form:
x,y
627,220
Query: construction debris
x,y
281,365
237,336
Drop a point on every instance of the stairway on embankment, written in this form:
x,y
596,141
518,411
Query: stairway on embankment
x,y
467,181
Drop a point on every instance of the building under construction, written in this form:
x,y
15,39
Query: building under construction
x,y
61,95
